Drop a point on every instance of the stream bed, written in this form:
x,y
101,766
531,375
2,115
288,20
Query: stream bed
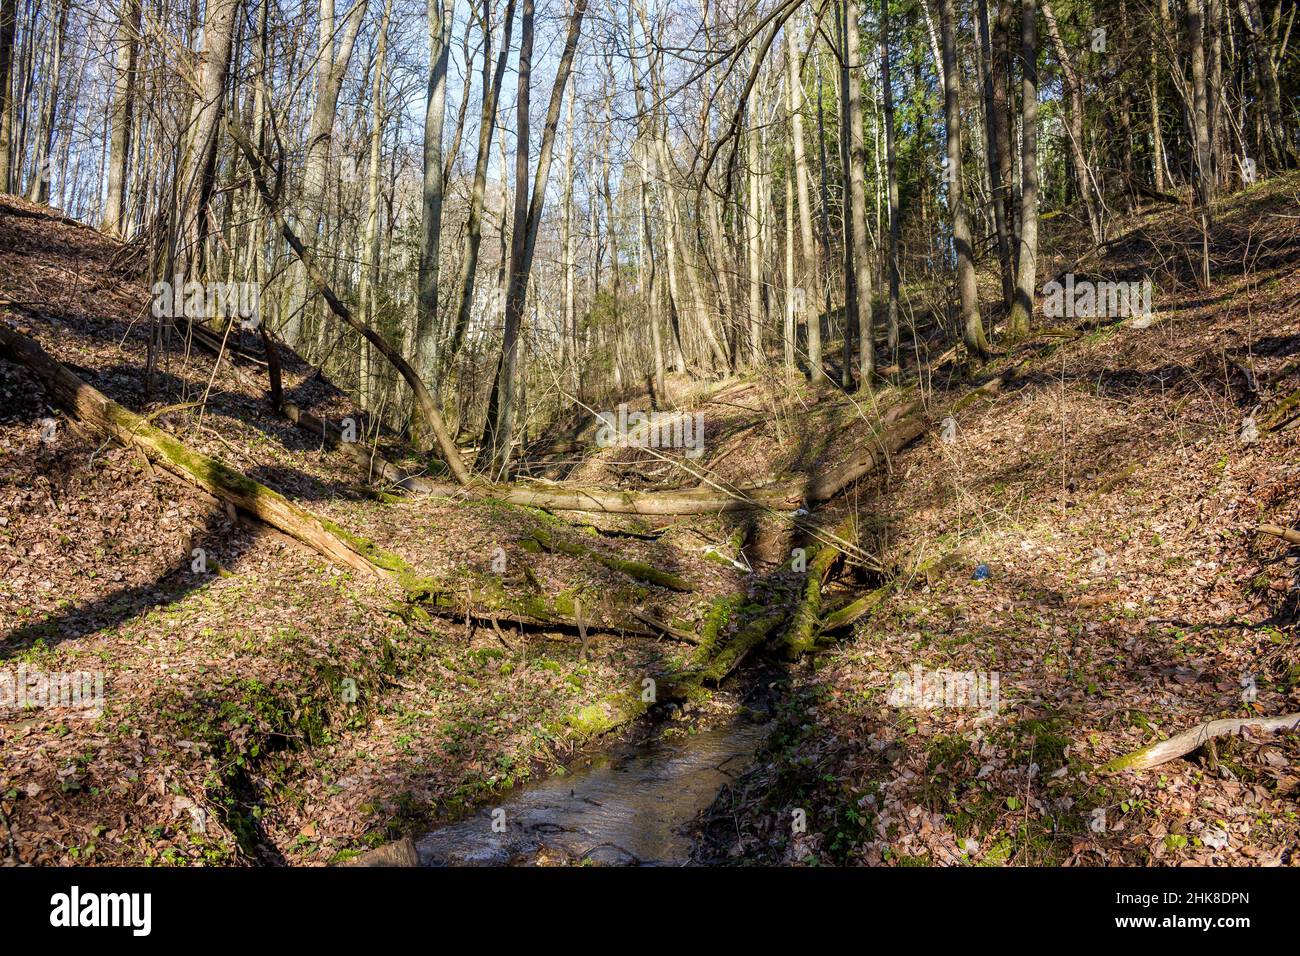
x,y
630,806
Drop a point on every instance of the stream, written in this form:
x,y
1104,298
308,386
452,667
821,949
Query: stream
x,y
630,806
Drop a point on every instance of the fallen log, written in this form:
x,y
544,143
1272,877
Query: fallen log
x,y
1180,744
894,440
532,611
688,501
97,412
1282,413
801,633
616,710
738,648
663,626
1286,534
720,499
849,613
846,615
633,569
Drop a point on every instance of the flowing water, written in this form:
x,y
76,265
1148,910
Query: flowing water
x,y
627,807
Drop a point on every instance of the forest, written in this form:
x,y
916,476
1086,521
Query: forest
x,y
680,432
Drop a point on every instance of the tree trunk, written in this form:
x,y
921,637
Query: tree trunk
x,y
474,228
331,67
847,262
1203,164
809,277
8,23
891,174
424,401
971,324
426,326
995,124
753,240
121,116
38,191
499,430
1083,176
368,296
195,178
858,201
787,334
1027,259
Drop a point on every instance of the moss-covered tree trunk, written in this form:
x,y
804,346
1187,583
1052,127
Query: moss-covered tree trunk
x,y
98,413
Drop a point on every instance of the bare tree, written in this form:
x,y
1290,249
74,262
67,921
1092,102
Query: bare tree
x,y
971,324
120,117
858,199
498,432
426,328
1027,260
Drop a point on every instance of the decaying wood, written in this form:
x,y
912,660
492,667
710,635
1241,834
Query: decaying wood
x,y
1286,534
1166,750
1282,413
801,633
663,626
528,612
98,413
633,569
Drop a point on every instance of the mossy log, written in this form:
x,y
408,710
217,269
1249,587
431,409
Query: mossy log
x,y
687,501
745,640
97,412
1285,410
849,613
846,615
559,612
894,439
1166,750
776,496
801,633
633,569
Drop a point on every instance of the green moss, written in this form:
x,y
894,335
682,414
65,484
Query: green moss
x,y
633,569
746,640
715,620
606,714
801,634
